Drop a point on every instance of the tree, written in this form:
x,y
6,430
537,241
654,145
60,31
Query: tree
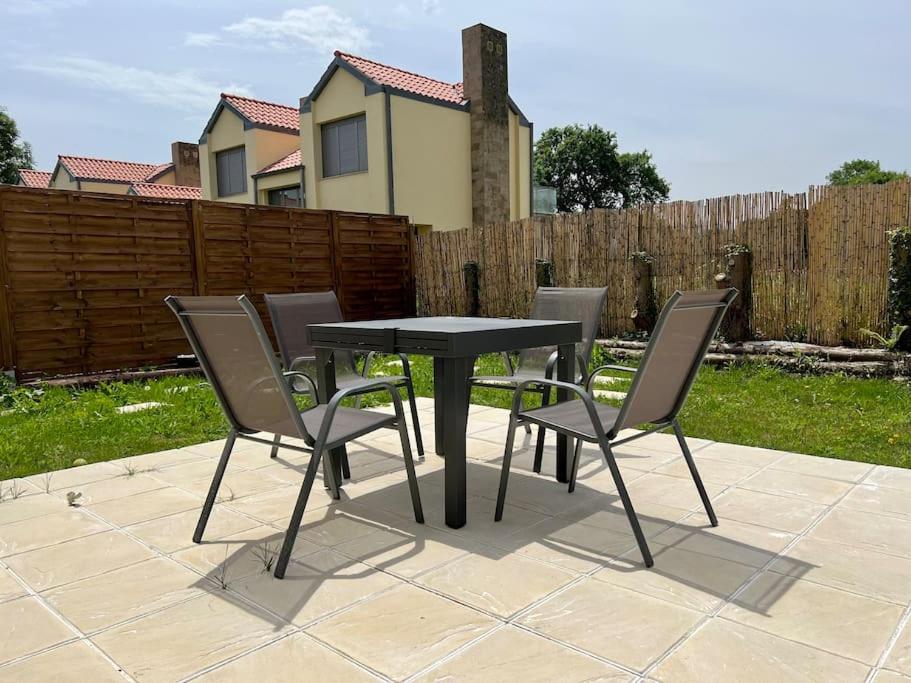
x,y
14,153
863,172
588,172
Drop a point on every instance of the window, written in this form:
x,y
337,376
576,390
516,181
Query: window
x,y
345,146
231,171
285,196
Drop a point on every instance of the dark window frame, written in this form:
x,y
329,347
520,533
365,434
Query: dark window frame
x,y
344,146
296,188
225,182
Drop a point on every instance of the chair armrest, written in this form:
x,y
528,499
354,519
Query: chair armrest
x,y
603,368
296,374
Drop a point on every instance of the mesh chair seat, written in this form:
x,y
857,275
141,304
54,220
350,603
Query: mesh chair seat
x,y
348,423
572,416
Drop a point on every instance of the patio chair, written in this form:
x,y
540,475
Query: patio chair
x,y
292,313
551,303
235,353
659,388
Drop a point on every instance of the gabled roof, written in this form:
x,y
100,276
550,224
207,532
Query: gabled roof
x,y
293,160
256,114
108,170
383,74
160,171
32,178
165,191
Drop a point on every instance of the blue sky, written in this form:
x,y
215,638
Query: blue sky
x,y
728,96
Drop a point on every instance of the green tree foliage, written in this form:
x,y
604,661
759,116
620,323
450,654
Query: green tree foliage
x,y
14,153
863,172
588,171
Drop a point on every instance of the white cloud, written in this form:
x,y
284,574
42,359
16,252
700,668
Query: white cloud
x,y
182,90
320,28
32,7
201,39
431,6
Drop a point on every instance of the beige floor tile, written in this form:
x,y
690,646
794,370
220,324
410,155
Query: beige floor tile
x,y
214,448
890,677
890,535
190,471
853,569
238,555
609,514
710,469
778,512
900,657
287,660
623,626
511,654
481,526
402,631
735,653
29,507
671,491
175,532
314,586
832,620
817,466
336,524
700,582
155,462
745,455
75,476
10,587
879,499
543,494
236,484
107,599
489,582
78,559
736,541
28,626
795,485
145,506
638,457
29,534
118,487
76,661
276,506
406,553
890,477
175,642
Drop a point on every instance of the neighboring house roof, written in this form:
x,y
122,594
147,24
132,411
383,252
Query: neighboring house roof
x,y
165,191
383,74
108,170
32,178
265,113
293,160
161,170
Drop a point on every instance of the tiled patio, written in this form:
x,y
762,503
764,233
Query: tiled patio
x,y
808,576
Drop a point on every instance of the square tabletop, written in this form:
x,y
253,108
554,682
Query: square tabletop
x,y
445,336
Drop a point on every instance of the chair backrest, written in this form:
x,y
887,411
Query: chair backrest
x,y
566,303
234,351
292,313
675,351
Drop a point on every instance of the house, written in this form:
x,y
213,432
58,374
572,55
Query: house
x,y
250,152
377,138
91,174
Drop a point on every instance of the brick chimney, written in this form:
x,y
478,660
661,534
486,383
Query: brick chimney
x,y
485,83
185,156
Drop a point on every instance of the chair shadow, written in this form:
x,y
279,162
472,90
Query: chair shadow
x,y
385,515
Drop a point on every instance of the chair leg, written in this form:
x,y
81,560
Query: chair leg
x,y
539,446
419,441
709,510
409,468
275,444
627,504
213,488
504,474
577,454
346,470
298,513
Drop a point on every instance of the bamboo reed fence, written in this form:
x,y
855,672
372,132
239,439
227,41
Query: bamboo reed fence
x,y
820,258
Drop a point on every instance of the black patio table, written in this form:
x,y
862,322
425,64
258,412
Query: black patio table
x,y
454,344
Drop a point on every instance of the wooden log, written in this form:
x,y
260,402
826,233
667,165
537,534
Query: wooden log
x,y
645,314
472,288
544,273
737,324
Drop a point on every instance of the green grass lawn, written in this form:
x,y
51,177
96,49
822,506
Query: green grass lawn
x,y
835,416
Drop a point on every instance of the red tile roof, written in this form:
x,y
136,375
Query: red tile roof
x,y
160,170
107,170
293,160
166,191
265,113
405,80
32,178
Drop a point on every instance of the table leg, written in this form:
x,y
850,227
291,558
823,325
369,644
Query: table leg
x,y
454,397
325,381
566,371
439,413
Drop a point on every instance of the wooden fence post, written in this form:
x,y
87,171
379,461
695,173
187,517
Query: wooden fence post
x,y
7,332
544,273
198,245
472,287
738,273
645,315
